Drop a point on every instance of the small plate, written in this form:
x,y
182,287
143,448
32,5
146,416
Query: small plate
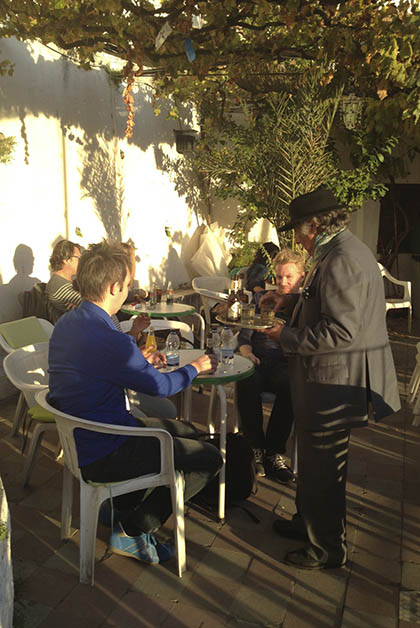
x,y
256,325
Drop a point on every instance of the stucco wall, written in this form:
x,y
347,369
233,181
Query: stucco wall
x,y
73,171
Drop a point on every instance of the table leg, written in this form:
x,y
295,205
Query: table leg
x,y
186,402
222,474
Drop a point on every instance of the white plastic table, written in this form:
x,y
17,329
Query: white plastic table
x,y
163,310
241,369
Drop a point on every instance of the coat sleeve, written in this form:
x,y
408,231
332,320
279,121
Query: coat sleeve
x,y
341,289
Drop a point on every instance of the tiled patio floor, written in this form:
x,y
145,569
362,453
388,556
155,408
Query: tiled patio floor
x,y
235,575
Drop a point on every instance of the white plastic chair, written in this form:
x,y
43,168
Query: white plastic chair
x,y
162,324
26,331
92,494
211,290
414,383
393,303
416,412
27,369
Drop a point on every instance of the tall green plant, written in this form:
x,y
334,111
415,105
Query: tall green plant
x,y
272,153
7,147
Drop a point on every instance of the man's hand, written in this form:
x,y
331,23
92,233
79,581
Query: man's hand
x,y
205,364
156,359
139,295
274,332
274,300
139,325
246,351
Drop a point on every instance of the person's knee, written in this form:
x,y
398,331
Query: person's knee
x,y
213,457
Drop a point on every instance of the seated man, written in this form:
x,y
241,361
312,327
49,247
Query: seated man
x,y
62,296
91,365
271,375
60,292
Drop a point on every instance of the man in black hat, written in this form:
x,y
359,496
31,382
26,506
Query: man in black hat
x,y
340,364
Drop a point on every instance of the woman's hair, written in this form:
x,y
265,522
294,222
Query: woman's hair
x,y
62,252
328,223
288,256
100,266
270,250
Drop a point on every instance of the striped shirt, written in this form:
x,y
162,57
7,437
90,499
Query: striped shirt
x,y
61,294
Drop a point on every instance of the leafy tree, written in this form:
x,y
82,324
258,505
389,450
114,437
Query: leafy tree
x,y
7,146
372,45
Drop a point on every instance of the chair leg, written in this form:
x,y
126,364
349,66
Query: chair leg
x,y
294,460
410,319
89,509
66,503
19,414
33,450
177,494
416,412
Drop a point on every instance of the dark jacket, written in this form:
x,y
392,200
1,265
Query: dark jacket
x,y
339,354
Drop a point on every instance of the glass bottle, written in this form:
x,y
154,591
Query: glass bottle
x,y
169,294
151,339
172,349
234,303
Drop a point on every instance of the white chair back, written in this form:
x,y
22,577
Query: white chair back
x,y
27,369
162,324
403,302
211,290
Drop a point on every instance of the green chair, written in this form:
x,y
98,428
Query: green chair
x,y
17,334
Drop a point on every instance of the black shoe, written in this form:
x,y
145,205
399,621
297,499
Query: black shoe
x,y
277,469
289,530
300,559
259,462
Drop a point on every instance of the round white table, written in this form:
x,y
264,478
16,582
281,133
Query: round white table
x,y
240,369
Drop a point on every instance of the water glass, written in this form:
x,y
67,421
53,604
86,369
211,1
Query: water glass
x,y
267,315
247,313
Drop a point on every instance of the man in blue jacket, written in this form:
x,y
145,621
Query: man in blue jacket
x,y
91,365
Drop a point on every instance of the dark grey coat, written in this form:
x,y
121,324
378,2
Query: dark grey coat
x,y
340,358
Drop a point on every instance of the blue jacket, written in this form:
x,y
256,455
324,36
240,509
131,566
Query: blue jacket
x,y
91,364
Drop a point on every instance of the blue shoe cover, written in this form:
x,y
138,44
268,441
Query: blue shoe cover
x,y
141,547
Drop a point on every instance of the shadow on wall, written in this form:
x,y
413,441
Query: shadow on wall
x,y
188,183
23,260
101,180
85,100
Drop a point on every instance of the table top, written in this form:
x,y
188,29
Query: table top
x,y
161,310
241,368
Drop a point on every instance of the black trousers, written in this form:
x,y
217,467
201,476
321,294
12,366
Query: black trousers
x,y
269,376
147,510
321,492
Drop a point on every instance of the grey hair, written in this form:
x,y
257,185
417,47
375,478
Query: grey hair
x,y
327,223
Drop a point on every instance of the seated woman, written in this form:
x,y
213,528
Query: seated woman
x,y
258,270
63,296
271,375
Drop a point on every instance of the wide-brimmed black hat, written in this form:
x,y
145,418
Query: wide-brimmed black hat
x,y
306,206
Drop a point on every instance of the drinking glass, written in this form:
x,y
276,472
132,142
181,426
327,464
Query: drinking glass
x,y
267,315
247,313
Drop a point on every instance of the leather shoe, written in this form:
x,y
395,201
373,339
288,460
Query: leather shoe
x,y
300,559
289,530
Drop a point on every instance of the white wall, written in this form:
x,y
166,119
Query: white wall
x,y
72,170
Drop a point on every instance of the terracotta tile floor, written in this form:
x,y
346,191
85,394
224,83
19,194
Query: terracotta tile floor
x,y
235,573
